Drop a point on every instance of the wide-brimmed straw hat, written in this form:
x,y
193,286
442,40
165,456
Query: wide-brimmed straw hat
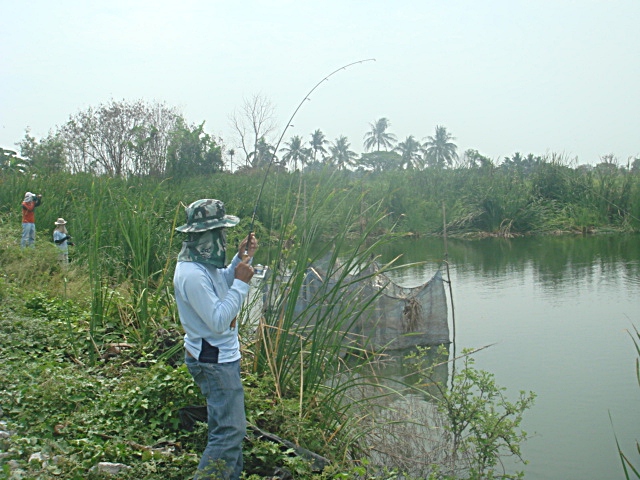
x,y
61,221
206,214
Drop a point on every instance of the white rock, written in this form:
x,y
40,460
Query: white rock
x,y
111,468
39,457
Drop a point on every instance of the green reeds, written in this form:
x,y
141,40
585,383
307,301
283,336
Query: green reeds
x,y
138,226
627,464
301,321
100,294
307,337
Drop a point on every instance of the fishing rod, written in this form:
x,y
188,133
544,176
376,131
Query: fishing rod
x,y
273,156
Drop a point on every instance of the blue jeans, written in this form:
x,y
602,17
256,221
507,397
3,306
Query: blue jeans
x,y
221,385
28,235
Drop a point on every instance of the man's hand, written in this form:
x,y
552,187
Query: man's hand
x,y
244,272
248,250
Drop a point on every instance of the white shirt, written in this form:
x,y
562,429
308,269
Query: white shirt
x,y
208,299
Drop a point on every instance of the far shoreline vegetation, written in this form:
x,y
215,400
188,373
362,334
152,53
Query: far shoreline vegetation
x,y
415,182
109,382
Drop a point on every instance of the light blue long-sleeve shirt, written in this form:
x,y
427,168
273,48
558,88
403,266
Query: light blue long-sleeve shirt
x,y
208,299
57,235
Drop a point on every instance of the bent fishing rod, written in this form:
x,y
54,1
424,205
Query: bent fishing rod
x,y
275,150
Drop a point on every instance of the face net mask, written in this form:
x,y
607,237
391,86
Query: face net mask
x,y
205,247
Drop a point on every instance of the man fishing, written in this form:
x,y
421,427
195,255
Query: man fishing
x,y
209,297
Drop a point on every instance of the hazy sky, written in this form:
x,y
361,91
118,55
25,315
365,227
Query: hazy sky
x,y
503,76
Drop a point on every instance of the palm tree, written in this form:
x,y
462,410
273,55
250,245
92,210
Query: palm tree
x,y
262,155
410,151
378,137
520,164
439,150
340,153
232,152
318,141
515,161
294,152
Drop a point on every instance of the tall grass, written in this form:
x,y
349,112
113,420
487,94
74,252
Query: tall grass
x,y
627,464
291,328
101,295
305,336
122,228
145,257
551,196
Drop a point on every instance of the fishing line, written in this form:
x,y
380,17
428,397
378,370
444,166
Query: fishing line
x,y
275,150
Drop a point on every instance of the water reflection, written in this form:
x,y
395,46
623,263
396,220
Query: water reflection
x,y
553,259
400,421
558,310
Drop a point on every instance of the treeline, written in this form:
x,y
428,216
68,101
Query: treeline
x,y
128,147
122,139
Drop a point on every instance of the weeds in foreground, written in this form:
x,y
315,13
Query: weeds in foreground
x,y
483,426
627,463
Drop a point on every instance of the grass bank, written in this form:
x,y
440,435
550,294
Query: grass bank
x,y
91,367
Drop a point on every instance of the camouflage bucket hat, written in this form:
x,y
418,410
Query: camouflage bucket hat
x,y
206,214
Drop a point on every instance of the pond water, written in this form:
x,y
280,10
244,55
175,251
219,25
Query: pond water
x,y
558,312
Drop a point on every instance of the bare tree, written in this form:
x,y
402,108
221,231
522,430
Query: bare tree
x,y
254,120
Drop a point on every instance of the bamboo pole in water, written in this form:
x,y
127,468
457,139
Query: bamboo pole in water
x,y
446,261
